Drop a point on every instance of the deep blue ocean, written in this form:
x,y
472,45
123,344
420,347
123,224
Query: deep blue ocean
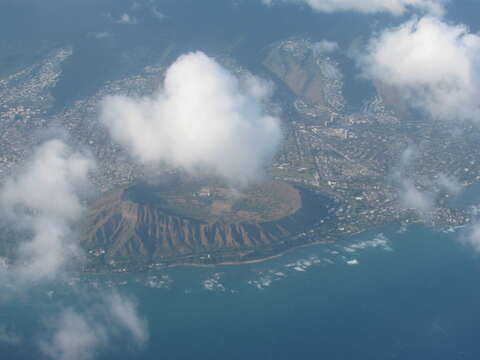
x,y
390,293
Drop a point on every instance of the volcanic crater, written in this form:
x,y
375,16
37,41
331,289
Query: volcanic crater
x,y
198,222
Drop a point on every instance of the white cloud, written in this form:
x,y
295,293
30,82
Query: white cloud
x,y
158,14
471,237
410,196
325,46
203,118
434,65
449,184
101,35
125,313
408,156
74,338
395,7
413,198
74,335
43,197
126,19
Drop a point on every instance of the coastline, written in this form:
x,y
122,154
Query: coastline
x,y
327,239
237,263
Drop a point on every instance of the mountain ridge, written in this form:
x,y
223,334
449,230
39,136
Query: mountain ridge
x,y
122,232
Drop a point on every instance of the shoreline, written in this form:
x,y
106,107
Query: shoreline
x,y
253,261
276,256
233,263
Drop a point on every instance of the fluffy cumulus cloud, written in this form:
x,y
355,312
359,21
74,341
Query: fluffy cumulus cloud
x,y
203,118
434,65
74,335
44,199
395,7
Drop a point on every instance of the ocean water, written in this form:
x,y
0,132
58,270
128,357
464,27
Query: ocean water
x,y
390,293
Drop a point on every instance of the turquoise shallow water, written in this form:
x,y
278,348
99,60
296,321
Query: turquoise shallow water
x,y
383,294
